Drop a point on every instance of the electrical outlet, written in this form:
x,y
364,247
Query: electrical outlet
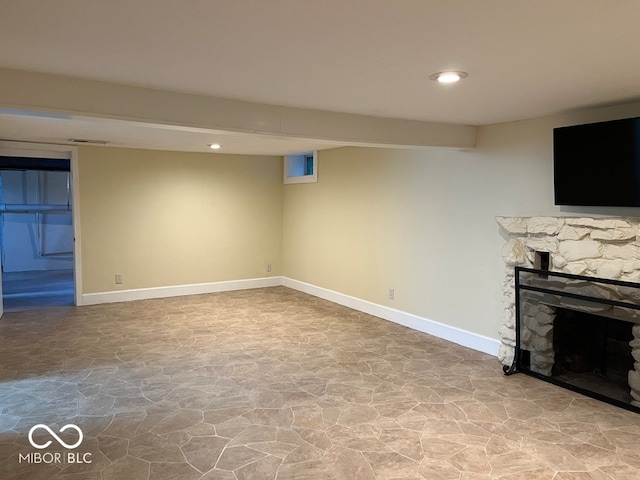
x,y
118,279
268,267
392,293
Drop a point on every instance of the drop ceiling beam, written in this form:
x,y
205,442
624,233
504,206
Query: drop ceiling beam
x,y
60,95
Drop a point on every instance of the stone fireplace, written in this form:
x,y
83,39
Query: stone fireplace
x,y
607,248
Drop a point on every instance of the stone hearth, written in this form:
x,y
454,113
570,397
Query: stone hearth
x,y
594,247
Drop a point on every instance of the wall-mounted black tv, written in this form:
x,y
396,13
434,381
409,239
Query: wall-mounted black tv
x,y
597,164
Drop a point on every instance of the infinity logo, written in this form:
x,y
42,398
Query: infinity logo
x,y
58,439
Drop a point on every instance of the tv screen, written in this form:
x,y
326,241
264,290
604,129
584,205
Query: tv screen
x,y
597,164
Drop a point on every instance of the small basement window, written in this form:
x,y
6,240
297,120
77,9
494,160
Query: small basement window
x,y
301,168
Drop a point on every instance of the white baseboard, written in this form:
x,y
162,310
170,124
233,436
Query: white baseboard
x,y
178,290
440,330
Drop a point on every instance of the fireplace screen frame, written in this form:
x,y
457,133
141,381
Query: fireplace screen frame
x,y
561,288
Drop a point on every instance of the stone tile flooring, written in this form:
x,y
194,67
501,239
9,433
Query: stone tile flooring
x,y
275,384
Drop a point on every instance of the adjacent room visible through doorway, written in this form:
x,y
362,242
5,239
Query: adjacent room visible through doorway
x,y
36,233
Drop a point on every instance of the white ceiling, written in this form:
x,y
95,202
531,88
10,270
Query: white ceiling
x,y
46,128
371,57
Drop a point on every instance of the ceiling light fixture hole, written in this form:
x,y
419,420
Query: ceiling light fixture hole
x,y
449,76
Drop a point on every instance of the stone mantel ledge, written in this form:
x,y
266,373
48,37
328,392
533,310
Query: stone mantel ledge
x,y
607,247
619,228
602,247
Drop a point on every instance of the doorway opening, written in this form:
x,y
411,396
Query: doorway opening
x,y
36,233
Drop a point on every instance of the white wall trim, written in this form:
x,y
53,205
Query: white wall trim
x,y
178,290
440,330
46,150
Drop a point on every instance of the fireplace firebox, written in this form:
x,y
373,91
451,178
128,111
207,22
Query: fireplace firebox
x,y
581,333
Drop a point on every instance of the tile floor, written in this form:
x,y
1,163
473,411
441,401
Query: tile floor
x,y
275,384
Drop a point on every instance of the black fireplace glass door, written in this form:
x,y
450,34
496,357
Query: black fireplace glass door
x,y
580,333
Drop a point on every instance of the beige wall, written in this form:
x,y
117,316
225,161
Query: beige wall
x,y
170,218
417,221
423,221
420,221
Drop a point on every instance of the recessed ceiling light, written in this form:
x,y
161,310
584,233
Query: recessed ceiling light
x,y
448,77
214,146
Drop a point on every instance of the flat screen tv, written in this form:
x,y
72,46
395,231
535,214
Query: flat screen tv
x,y
597,164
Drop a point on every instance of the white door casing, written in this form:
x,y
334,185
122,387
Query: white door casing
x,y
38,150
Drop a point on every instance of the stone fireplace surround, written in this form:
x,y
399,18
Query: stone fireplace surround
x,y
594,247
